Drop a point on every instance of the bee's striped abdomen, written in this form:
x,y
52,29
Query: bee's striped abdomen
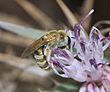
x,y
41,59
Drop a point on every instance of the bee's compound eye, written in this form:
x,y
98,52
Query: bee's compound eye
x,y
63,35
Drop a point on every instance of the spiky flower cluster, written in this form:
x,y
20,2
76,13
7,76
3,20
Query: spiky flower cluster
x,y
84,62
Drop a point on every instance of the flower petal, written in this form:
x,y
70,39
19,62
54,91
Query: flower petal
x,y
106,78
89,87
102,89
83,89
76,71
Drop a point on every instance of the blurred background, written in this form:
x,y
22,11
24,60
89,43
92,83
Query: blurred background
x,y
22,74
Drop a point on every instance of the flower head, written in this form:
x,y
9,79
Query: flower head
x,y
84,61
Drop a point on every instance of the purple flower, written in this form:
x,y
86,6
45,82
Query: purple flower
x,y
86,63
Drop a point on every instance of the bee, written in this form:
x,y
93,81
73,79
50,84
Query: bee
x,y
41,48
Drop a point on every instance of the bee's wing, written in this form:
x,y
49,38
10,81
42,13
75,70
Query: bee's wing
x,y
35,45
49,37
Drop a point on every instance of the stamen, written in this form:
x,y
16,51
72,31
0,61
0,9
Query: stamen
x,y
93,62
82,46
57,64
82,22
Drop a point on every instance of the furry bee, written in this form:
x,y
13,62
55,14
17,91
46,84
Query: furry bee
x,y
42,47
